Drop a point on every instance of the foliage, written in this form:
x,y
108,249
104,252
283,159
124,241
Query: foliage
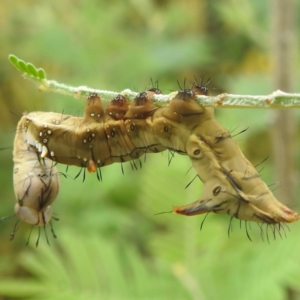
x,y
92,267
27,68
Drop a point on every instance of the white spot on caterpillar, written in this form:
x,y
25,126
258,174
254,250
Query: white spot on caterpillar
x,y
84,140
88,130
93,134
44,151
39,147
45,141
52,153
40,133
99,115
85,159
49,131
92,115
45,126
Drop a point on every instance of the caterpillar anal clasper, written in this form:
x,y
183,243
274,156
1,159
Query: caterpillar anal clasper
x,y
124,132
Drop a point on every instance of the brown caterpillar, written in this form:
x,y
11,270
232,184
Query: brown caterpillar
x,y
124,132
36,180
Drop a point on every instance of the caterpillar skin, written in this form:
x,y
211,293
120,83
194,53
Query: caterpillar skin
x,y
36,182
124,132
98,139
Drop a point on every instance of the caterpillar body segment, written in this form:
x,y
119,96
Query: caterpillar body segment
x,y
36,181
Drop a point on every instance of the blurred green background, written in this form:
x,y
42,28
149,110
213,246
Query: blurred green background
x,y
110,244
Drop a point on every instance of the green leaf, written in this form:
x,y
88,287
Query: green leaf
x,y
41,73
27,68
19,288
23,66
15,61
32,70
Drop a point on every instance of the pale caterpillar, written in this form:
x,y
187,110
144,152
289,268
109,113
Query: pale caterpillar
x,y
36,180
124,132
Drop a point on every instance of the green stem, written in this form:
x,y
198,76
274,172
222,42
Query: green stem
x,y
277,99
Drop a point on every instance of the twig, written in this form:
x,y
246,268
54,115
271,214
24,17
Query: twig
x,y
277,99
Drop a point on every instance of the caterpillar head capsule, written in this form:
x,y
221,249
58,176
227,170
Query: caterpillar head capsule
x,y
35,193
33,217
36,181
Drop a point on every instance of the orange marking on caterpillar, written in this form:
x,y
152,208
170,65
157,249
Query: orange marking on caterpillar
x,y
91,166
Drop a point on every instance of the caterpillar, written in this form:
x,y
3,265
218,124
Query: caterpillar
x,y
124,132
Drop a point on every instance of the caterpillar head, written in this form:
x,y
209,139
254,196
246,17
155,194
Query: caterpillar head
x,y
36,182
35,193
32,216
